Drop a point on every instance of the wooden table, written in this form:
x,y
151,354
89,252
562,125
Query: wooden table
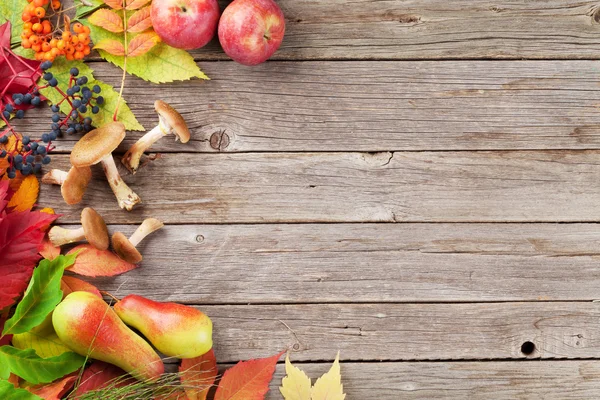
x,y
414,183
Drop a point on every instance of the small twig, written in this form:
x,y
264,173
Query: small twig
x,y
124,63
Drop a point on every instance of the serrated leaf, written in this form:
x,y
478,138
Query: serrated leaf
x,y
60,70
70,284
34,369
107,19
247,380
198,375
11,10
24,199
93,262
45,344
329,386
162,64
9,392
48,250
115,4
135,4
111,46
142,43
55,390
295,385
140,21
41,296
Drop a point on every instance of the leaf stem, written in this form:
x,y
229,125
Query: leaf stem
x,y
124,62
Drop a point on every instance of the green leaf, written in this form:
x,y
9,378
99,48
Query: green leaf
x,y
11,10
45,345
9,392
34,369
41,297
83,10
60,69
161,64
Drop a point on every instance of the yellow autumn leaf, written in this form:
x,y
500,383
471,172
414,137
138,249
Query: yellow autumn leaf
x,y
296,385
329,386
45,344
25,197
48,210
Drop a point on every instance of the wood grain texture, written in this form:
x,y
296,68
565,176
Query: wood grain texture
x,y
434,29
543,186
367,106
549,380
474,331
216,264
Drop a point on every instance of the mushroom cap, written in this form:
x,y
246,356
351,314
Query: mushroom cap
x,y
94,228
172,118
97,144
74,185
124,249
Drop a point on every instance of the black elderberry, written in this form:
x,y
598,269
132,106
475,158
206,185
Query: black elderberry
x,y
99,100
53,82
46,65
95,110
46,160
47,76
74,71
55,118
82,81
55,108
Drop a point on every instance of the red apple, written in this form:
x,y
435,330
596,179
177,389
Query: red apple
x,y
250,31
185,24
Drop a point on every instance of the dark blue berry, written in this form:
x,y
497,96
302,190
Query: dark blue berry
x,y
34,145
52,136
37,168
17,96
26,148
87,121
74,71
70,92
55,126
87,94
18,166
11,174
6,114
29,159
70,131
36,101
82,81
27,169
96,89
18,158
55,108
25,140
55,118
83,109
79,127
46,160
2,153
41,150
99,100
45,139
9,108
76,89
27,98
95,110
53,82
20,114
46,65
47,76
4,139
19,101
76,103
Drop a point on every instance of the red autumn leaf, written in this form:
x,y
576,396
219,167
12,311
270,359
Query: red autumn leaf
x,y
198,375
247,380
17,74
93,262
99,375
142,43
135,4
21,234
115,4
48,250
70,284
107,19
111,46
3,195
54,390
177,394
139,21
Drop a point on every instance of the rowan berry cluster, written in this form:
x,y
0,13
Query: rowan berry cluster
x,y
48,43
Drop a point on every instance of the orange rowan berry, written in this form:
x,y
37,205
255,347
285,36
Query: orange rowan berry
x,y
67,36
81,37
55,52
46,47
77,27
26,17
36,47
74,40
55,4
34,39
69,49
40,12
79,47
47,26
69,56
37,27
60,44
39,56
26,44
30,8
53,42
86,30
27,25
87,41
48,56
39,3
78,55
27,33
87,50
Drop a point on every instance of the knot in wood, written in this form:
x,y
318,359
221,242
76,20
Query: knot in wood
x,y
219,140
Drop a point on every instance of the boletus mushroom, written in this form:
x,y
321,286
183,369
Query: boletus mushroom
x,y
97,147
72,183
93,229
126,248
170,122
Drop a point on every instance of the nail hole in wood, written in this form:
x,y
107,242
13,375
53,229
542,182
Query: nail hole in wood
x,y
528,348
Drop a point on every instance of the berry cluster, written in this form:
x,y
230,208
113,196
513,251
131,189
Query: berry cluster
x,y
47,43
27,155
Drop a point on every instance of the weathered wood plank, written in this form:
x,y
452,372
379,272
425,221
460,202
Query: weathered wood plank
x,y
434,29
476,331
373,106
365,263
539,186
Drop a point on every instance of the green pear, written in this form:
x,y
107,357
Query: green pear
x,y
88,326
174,329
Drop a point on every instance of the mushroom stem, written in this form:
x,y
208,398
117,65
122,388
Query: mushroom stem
x,y
147,227
54,177
126,197
59,236
131,159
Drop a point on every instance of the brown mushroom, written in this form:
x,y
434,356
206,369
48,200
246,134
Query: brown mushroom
x,y
126,248
72,183
97,147
93,229
170,122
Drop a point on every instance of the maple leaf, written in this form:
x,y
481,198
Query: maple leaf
x,y
247,380
198,375
70,284
17,74
295,385
93,262
25,197
21,234
329,386
3,195
55,390
99,375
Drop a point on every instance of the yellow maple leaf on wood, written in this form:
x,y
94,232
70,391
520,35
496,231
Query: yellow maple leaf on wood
x,y
296,385
25,197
